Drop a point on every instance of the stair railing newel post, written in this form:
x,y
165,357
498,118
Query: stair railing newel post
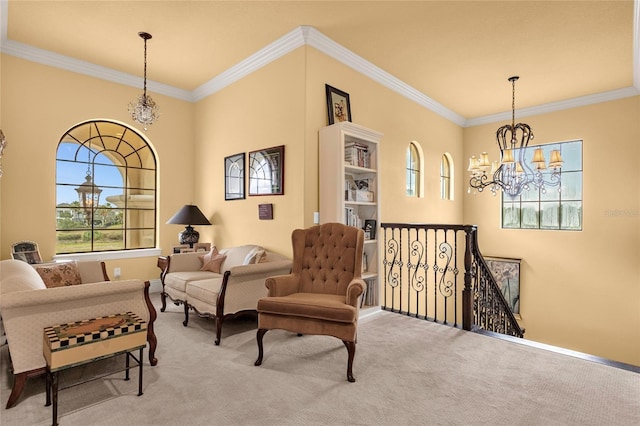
x,y
467,293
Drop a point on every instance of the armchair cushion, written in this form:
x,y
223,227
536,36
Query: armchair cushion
x,y
329,307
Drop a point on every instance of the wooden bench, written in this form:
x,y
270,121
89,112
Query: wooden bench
x,y
77,343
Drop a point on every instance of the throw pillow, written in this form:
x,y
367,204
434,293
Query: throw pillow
x,y
214,263
60,275
206,258
261,257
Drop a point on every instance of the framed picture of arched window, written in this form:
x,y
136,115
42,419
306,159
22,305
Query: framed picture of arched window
x,y
234,177
266,171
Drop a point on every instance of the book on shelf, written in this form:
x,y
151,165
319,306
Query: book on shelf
x,y
357,154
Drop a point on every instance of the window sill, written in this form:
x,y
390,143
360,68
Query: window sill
x,y
110,255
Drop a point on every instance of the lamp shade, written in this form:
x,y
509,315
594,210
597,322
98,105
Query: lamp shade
x,y
189,215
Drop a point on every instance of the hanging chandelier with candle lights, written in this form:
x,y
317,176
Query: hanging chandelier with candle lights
x,y
512,174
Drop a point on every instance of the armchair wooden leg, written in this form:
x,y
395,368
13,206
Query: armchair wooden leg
x,y
259,336
351,349
186,314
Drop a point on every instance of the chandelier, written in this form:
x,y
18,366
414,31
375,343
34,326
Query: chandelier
x,y
513,175
144,110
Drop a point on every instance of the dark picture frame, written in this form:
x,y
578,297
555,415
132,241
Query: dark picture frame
x,y
266,171
234,177
338,105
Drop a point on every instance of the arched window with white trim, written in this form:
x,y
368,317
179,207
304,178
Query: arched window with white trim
x,y
106,196
446,177
414,171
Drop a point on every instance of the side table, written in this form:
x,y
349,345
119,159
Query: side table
x,y
163,264
78,343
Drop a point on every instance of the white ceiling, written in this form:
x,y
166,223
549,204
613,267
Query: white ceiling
x,y
453,57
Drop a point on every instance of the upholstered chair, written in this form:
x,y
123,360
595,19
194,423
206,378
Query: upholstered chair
x,y
321,296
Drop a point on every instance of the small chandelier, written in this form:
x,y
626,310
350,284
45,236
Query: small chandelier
x,y
513,174
88,192
144,110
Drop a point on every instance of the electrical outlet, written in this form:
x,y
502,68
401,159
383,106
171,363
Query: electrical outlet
x,y
116,272
316,217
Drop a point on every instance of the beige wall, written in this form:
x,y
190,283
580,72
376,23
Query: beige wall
x,y
39,104
579,290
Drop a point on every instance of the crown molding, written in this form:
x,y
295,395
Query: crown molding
x,y
45,57
340,53
581,101
282,46
307,35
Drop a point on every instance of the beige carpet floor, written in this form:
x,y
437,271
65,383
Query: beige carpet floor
x,y
409,372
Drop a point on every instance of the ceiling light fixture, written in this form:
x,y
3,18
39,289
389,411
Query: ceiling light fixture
x,y
513,174
144,110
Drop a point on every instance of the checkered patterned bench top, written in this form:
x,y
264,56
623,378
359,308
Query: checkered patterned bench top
x,y
65,336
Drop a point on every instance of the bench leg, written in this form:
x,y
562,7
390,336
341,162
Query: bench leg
x,y
54,394
140,363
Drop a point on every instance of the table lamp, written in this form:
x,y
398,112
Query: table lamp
x,y
189,215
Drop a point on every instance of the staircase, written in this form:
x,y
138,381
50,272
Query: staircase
x,y
437,273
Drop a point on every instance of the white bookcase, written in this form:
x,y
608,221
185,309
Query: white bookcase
x,y
350,190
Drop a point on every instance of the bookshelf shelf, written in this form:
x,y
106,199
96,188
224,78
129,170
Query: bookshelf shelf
x,y
349,190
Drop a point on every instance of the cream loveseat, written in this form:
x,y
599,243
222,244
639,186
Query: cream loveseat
x,y
231,291
27,306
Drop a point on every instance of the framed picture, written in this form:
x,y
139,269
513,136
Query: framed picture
x,y
506,272
234,177
266,171
27,251
178,248
202,247
338,105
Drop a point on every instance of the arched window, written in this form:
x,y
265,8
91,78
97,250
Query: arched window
x,y
105,189
414,171
446,177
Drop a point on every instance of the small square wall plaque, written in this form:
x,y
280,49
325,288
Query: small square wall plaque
x,y
265,211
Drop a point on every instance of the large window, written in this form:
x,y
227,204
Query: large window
x,y
413,171
552,207
446,177
105,189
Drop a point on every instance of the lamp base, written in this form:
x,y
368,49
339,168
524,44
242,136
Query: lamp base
x,y
189,236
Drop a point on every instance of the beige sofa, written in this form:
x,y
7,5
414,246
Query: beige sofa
x,y
225,295
27,306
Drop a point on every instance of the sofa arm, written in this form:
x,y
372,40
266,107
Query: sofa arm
x,y
354,290
26,313
267,268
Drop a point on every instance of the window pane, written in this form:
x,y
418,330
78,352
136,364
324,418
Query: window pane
x,y
549,215
104,240
571,186
510,215
572,156
530,215
140,238
571,215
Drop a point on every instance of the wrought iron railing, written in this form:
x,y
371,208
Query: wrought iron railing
x,y
437,273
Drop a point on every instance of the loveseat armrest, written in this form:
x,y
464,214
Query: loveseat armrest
x,y
267,268
354,290
282,285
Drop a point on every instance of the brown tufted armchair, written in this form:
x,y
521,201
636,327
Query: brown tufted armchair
x,y
321,295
